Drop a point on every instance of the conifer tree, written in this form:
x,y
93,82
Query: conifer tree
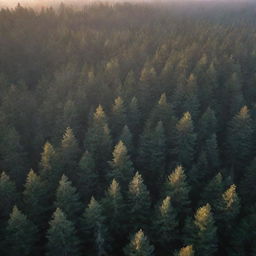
x,y
205,233
186,251
152,156
118,116
122,167
134,116
127,138
98,140
67,199
94,228
212,152
185,140
178,189
87,177
21,234
213,191
165,224
139,246
69,154
8,195
61,235
35,198
240,137
138,203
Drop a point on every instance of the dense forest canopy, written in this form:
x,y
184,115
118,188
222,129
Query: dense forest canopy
x,y
128,129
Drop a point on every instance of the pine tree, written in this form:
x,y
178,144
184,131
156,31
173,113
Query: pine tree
x,y
152,156
98,140
127,138
186,251
178,189
8,195
35,198
94,228
139,246
240,137
20,235
138,203
49,172
67,199
61,235
164,226
118,116
87,177
134,116
185,140
205,234
212,152
213,191
122,167
69,154
113,206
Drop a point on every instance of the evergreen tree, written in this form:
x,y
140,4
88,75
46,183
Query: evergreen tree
x,y
87,177
35,198
8,195
164,226
61,235
178,189
240,137
98,140
139,246
68,199
122,167
20,234
185,140
134,116
138,203
186,251
94,228
118,116
127,138
205,233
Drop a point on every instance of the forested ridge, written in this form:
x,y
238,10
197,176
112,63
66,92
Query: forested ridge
x,y
128,129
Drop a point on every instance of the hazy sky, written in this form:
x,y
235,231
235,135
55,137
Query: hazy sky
x,y
13,3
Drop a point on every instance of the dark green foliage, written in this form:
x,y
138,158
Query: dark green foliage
x,y
61,235
8,195
94,228
139,246
185,140
67,199
138,203
122,167
87,176
21,234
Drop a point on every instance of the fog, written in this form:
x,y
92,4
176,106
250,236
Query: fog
x,y
41,3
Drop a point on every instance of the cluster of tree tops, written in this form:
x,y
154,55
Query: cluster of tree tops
x,y
157,108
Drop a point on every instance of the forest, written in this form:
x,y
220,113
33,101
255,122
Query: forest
x,y
128,129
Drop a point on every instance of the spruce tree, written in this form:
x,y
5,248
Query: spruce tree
x,y
178,189
138,203
186,251
127,138
240,138
205,232
36,199
165,224
185,140
134,116
122,167
93,225
118,119
88,177
8,195
67,199
21,234
98,140
61,235
139,246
